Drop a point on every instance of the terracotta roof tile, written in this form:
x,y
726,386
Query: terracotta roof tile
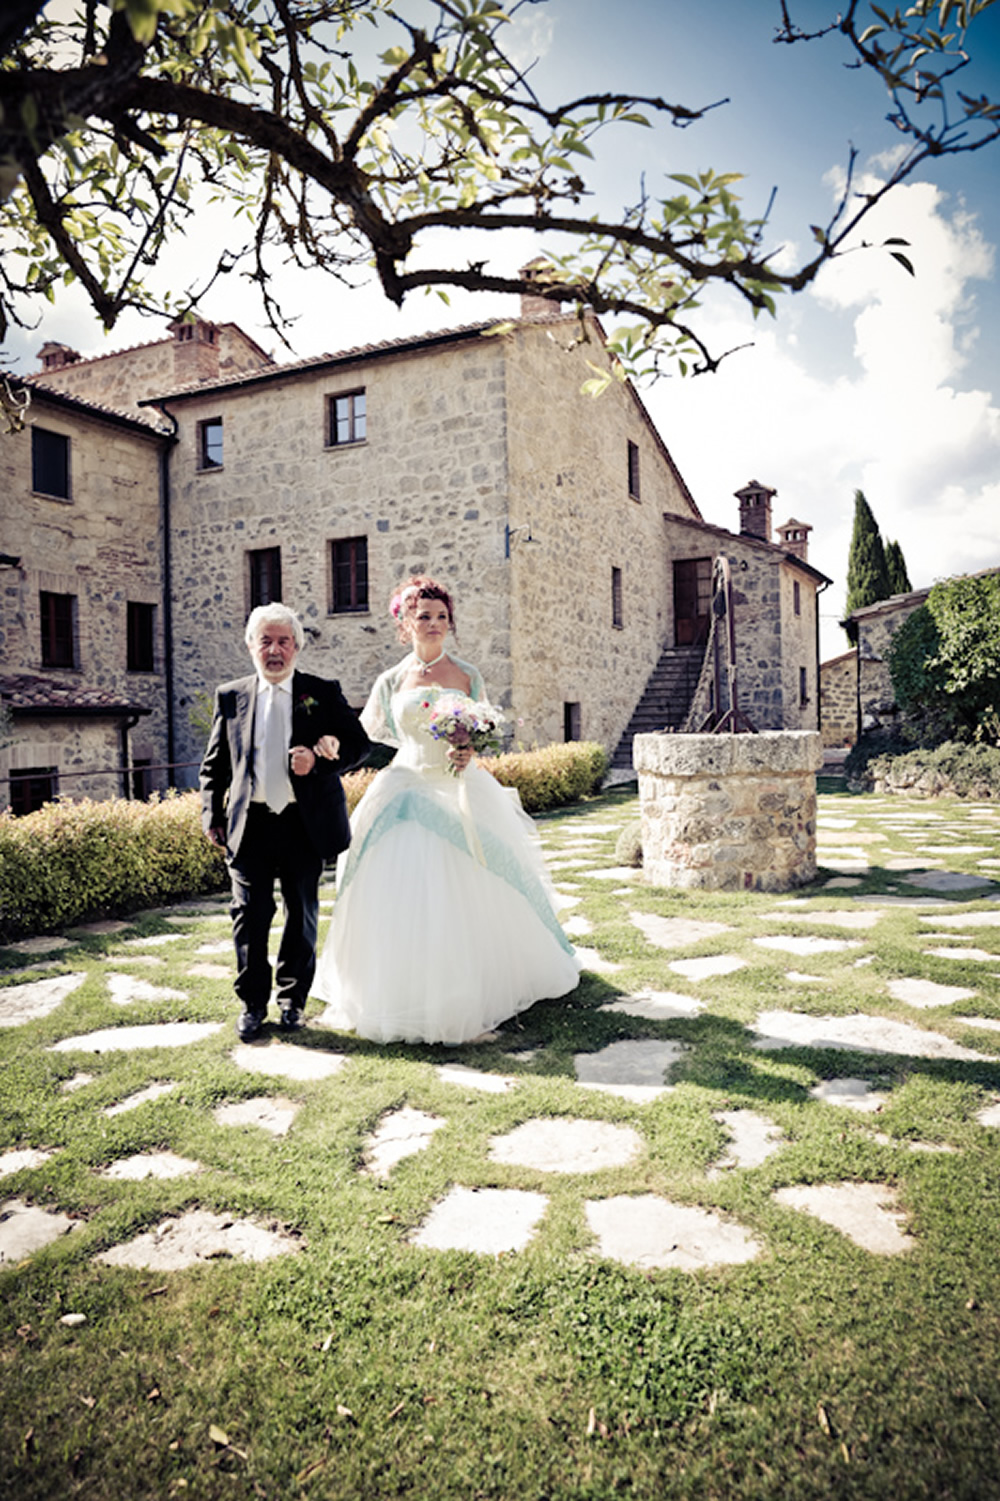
x,y
27,692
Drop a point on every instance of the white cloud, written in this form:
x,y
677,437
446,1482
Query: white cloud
x,y
859,386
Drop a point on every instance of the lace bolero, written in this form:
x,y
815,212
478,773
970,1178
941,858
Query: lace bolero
x,y
378,718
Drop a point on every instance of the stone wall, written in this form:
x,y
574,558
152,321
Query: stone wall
x,y
122,379
426,488
569,478
729,812
464,439
86,754
876,625
103,546
839,700
772,641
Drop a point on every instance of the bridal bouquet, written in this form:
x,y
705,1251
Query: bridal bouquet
x,y
461,721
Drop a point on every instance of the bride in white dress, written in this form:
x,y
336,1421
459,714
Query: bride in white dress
x,y
444,923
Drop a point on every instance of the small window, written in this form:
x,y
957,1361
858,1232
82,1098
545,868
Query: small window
x,y
571,722
210,443
49,463
142,782
348,421
58,637
616,599
140,630
633,470
265,576
803,687
797,596
348,575
32,788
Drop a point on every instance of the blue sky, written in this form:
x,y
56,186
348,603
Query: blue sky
x,y
869,380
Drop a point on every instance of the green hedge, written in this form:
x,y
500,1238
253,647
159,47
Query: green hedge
x,y
73,862
554,775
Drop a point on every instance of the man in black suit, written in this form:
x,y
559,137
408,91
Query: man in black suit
x,y
272,799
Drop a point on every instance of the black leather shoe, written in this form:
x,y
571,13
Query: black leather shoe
x,y
292,1019
248,1025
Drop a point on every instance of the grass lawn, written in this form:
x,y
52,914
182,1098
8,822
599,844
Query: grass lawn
x,y
359,1365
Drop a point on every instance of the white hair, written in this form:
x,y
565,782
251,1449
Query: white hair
x,y
274,614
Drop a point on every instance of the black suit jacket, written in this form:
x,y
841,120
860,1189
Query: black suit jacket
x,y
226,778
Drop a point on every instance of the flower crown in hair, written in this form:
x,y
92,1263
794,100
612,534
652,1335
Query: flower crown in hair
x,y
398,602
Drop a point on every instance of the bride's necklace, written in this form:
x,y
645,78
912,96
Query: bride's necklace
x,y
424,667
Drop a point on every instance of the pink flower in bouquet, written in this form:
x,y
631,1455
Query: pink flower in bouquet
x,y
464,722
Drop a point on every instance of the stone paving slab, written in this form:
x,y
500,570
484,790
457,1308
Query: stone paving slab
x,y
492,1221
151,1165
44,943
78,1081
271,1113
752,1140
200,1236
924,993
153,941
567,1146
639,1062
125,989
853,919
675,932
399,1134
708,968
18,1160
858,1033
947,880
805,944
851,1094
132,1039
145,1096
20,1004
286,1061
475,1078
865,1212
25,1229
647,1231
966,920
104,927
656,1005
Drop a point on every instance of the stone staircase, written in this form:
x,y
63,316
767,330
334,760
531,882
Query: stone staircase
x,y
666,700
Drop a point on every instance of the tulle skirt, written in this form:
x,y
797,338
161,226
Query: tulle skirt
x,y
444,923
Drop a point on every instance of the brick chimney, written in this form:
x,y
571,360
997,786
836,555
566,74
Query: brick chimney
x,y
794,538
57,356
196,351
538,270
755,510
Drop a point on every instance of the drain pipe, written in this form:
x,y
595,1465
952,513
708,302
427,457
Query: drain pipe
x,y
168,584
126,758
819,680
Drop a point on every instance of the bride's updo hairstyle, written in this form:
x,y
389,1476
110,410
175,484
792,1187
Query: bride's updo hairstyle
x,y
404,601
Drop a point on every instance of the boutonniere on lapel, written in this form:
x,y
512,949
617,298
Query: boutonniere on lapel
x,y
307,703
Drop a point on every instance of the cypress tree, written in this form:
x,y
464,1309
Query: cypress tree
x,y
899,579
867,574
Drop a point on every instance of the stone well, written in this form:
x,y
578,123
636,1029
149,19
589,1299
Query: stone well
x,y
729,812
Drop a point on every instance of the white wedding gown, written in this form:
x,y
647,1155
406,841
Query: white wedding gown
x,y
444,923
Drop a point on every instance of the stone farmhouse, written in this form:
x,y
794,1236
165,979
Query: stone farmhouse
x,y
158,493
